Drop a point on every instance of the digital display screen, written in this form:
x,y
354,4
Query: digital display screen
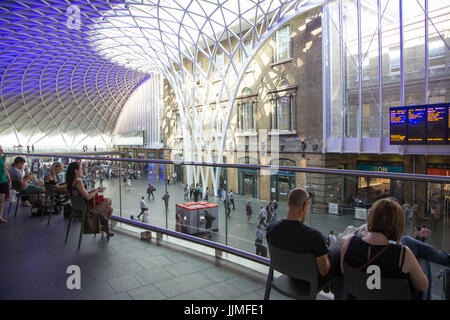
x,y
398,120
417,125
437,124
424,124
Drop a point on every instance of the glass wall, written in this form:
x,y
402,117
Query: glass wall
x,y
338,201
381,54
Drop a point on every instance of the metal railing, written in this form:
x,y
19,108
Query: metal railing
x,y
341,172
216,245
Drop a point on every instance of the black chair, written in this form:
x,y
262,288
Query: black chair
x,y
49,195
78,204
355,286
299,279
81,205
18,190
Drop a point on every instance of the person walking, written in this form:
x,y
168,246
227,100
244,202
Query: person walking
x,y
269,211
415,210
209,218
5,183
262,216
101,179
129,183
248,211
259,242
331,239
145,215
186,193
125,181
196,194
219,194
206,194
143,206
166,197
226,203
150,191
191,191
174,177
232,199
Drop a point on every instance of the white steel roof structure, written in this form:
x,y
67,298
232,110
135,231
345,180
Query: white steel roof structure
x,y
58,79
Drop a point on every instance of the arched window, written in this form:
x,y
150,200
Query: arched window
x,y
283,106
246,110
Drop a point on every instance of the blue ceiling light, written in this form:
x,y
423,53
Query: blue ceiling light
x,y
49,70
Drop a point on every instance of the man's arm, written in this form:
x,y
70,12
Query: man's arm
x,y
323,264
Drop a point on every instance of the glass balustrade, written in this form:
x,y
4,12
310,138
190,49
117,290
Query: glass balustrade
x,y
338,200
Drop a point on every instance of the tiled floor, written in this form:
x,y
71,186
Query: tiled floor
x,y
34,260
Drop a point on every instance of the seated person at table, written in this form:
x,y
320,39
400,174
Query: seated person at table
x,y
291,234
75,187
386,224
20,182
56,169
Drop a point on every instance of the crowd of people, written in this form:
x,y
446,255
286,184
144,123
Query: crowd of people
x,y
33,192
380,241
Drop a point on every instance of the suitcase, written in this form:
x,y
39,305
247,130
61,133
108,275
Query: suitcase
x,y
264,251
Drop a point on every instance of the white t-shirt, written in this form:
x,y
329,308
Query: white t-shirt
x,y
145,218
143,204
332,238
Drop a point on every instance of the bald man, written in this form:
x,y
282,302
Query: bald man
x,y
291,234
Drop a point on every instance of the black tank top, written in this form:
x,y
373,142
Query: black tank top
x,y
356,257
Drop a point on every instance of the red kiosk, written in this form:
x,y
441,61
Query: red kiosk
x,y
193,216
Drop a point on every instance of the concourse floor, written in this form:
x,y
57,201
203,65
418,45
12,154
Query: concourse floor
x,y
34,261
234,231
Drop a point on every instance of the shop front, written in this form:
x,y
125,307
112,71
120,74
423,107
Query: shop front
x,y
178,168
438,195
248,182
370,190
140,166
282,182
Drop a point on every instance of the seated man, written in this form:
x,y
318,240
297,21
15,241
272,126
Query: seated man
x,y
20,182
291,234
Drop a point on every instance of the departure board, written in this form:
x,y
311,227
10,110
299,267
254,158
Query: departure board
x,y
423,124
398,120
437,124
417,129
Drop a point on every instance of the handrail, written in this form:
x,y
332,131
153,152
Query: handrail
x,y
183,236
340,172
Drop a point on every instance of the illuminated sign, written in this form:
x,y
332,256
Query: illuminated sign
x,y
437,124
416,125
398,119
424,124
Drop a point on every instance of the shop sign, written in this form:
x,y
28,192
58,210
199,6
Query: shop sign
x,y
333,208
360,213
140,154
438,172
382,169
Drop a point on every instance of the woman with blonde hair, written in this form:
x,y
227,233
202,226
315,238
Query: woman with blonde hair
x,y
382,246
57,168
